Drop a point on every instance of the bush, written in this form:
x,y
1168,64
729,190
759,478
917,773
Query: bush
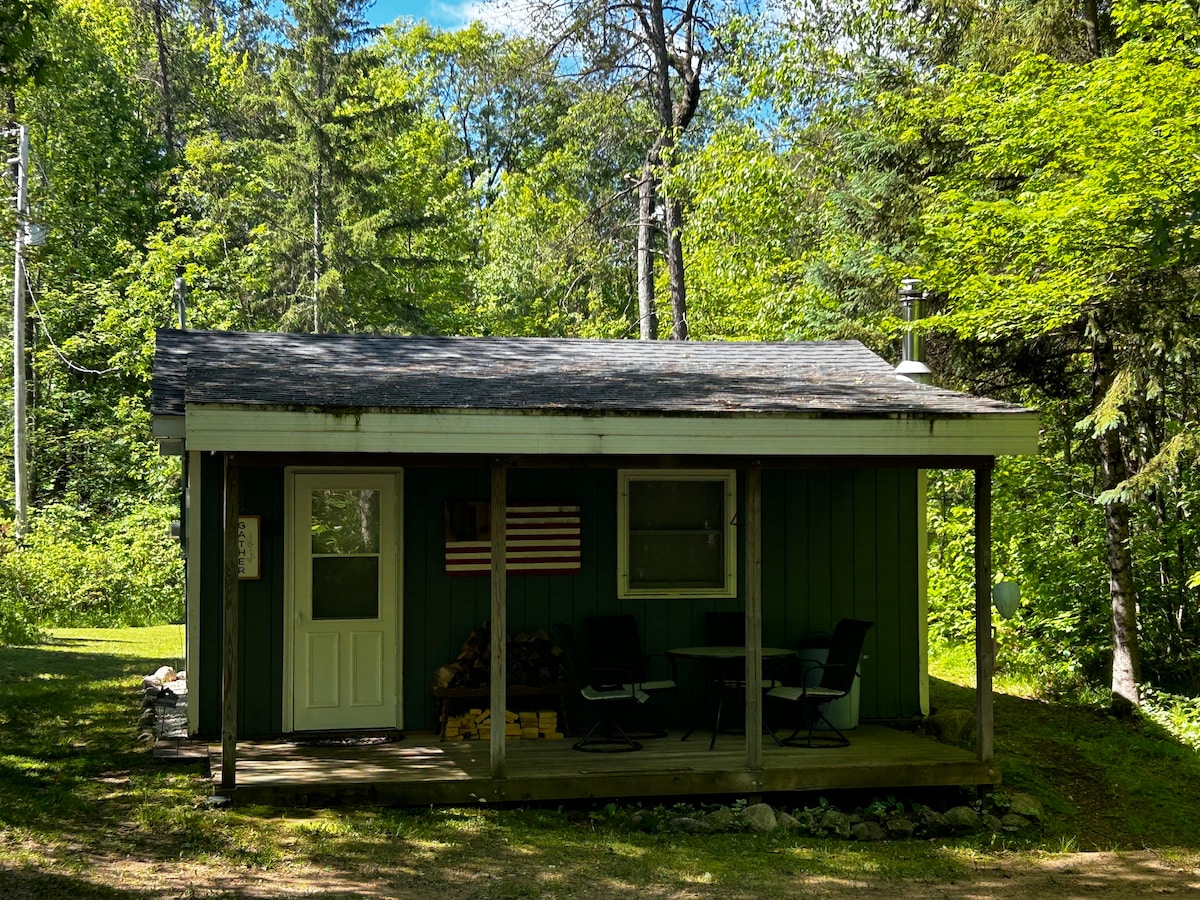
x,y
71,570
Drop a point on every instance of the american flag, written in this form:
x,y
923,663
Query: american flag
x,y
541,539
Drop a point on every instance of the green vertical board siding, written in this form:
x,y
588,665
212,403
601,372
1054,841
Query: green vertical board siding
x,y
260,628
211,575
843,544
260,603
835,543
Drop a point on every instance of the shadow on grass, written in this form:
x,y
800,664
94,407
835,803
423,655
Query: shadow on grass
x,y
33,884
1106,782
70,753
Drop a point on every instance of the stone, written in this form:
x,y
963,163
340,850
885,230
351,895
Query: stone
x,y
721,819
951,726
992,823
835,821
963,819
1026,805
901,829
805,820
868,831
760,817
688,825
1014,822
932,821
788,822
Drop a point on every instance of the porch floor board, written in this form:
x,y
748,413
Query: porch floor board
x,y
422,770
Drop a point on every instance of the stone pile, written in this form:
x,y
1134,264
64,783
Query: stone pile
x,y
1018,812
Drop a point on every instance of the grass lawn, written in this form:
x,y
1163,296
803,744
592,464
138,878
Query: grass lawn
x,y
86,813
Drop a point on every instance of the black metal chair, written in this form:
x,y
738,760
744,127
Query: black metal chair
x,y
618,682
837,676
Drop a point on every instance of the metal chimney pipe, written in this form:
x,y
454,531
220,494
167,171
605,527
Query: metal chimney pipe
x,y
181,294
912,363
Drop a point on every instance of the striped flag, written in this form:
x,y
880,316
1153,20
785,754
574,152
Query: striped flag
x,y
541,538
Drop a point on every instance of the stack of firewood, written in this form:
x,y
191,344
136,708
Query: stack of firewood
x,y
476,724
533,659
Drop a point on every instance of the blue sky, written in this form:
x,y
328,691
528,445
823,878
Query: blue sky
x,y
442,13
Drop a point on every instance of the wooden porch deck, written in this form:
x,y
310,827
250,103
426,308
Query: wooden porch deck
x,y
421,770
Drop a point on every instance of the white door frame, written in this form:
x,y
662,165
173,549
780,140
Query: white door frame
x,y
289,581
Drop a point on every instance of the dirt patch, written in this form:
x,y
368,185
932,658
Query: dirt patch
x,y
1017,876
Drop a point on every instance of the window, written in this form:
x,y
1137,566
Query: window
x,y
345,554
676,536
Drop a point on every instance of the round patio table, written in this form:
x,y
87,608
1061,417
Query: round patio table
x,y
722,679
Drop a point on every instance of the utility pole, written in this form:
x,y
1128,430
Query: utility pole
x,y
20,443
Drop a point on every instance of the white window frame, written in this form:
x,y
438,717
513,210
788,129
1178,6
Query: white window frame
x,y
727,477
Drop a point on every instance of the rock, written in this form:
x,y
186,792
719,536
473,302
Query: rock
x,y
992,823
1013,822
721,819
1026,805
687,825
805,820
932,821
760,817
963,819
901,829
835,821
951,726
216,801
788,822
868,831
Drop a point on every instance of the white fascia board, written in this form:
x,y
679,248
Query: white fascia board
x,y
169,432
167,427
223,428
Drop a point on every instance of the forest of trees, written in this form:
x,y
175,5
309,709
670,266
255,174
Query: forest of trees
x,y
701,170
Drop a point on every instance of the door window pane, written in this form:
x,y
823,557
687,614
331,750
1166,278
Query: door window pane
x,y
345,587
345,521
345,554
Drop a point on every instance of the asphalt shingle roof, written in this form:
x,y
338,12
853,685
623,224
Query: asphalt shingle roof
x,y
301,371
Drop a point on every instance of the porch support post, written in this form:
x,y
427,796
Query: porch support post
x,y
753,530
498,525
229,659
984,645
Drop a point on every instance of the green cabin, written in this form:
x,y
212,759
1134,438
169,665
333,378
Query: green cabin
x,y
355,475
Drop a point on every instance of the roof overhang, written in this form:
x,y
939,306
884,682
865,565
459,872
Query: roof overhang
x,y
221,428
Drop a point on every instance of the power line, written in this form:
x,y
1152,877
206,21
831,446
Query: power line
x,y
75,367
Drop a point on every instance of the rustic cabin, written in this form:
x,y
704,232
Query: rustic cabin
x,y
360,625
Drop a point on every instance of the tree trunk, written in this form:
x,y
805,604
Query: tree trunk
x,y
675,272
1127,657
160,43
647,314
316,257
1090,13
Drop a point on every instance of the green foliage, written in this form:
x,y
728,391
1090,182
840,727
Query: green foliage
x,y
1179,716
72,571
21,59
1060,634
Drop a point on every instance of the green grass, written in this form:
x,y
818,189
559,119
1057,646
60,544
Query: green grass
x,y
86,812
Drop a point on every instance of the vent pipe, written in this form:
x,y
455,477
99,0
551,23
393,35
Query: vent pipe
x,y
181,298
912,363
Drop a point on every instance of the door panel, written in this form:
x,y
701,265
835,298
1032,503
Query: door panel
x,y
345,602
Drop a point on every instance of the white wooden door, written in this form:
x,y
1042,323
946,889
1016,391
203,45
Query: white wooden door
x,y
345,609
